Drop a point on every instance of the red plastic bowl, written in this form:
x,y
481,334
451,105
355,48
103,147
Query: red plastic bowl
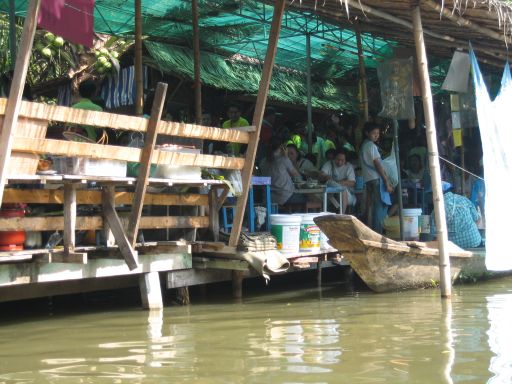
x,y
12,237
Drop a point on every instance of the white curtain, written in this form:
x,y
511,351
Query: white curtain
x,y
495,121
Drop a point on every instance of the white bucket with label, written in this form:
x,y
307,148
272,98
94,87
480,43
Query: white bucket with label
x,y
286,229
411,223
309,233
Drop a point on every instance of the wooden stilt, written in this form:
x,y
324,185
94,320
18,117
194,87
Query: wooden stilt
x,y
399,185
110,194
237,281
435,169
319,272
150,290
183,296
139,81
12,110
69,217
257,119
145,163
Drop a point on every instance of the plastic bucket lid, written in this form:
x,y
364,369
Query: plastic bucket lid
x,y
412,212
285,219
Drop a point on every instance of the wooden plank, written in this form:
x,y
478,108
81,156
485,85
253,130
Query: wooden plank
x,y
69,217
129,254
257,119
26,273
145,163
189,277
99,151
12,109
215,263
139,81
53,196
71,257
47,112
96,222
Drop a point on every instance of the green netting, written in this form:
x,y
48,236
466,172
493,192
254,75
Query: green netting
x,y
236,76
233,27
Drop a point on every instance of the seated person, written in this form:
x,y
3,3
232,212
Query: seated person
x,y
461,219
279,167
305,167
342,174
415,170
87,90
235,120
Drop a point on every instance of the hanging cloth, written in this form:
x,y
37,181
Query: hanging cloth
x,y
494,121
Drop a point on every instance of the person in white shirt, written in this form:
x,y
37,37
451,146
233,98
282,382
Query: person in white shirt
x,y
373,175
341,174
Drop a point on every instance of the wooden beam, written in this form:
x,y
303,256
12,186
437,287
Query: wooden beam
x,y
139,81
257,119
435,169
460,21
96,222
145,163
47,112
126,249
362,74
109,192
12,109
150,290
55,196
99,151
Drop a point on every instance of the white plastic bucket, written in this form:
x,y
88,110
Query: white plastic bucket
x,y
324,240
309,233
286,229
411,223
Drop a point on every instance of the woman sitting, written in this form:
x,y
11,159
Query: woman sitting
x,y
342,174
305,167
278,166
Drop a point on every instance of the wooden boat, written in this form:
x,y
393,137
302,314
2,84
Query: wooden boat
x,y
385,264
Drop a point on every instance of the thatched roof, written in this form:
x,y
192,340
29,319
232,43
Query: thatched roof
x,y
448,24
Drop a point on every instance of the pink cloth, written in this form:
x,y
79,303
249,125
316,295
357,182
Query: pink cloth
x,y
71,19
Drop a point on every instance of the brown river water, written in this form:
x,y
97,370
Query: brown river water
x,y
288,333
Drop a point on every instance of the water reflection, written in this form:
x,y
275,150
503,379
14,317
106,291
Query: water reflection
x,y
499,309
449,341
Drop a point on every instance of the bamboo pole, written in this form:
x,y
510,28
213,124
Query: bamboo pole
x,y
399,186
197,63
12,109
435,169
460,21
12,31
308,93
362,74
359,136
257,119
139,82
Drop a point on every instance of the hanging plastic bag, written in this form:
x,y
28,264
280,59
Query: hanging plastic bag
x,y
234,177
391,168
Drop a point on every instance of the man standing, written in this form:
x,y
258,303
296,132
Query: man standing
x,y
235,120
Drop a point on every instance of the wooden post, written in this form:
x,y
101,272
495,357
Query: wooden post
x,y
145,163
12,31
197,63
237,281
139,82
363,106
12,109
150,290
319,272
125,247
257,119
69,217
110,194
435,169
399,186
308,90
